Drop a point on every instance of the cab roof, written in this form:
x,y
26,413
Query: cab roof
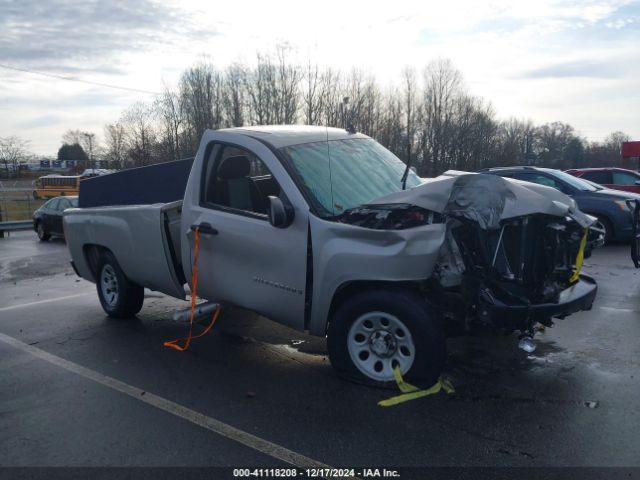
x,y
279,136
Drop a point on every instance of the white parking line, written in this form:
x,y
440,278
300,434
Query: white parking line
x,y
616,309
39,302
256,443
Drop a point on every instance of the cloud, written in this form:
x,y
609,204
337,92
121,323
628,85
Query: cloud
x,y
43,121
89,35
582,69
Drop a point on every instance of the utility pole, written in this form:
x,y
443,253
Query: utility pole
x,y
90,137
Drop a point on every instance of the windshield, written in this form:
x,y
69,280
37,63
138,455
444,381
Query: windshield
x,y
595,185
575,182
343,174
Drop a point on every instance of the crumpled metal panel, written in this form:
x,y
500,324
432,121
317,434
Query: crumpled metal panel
x,y
486,199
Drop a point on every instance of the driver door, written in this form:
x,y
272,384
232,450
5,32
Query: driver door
x,y
243,259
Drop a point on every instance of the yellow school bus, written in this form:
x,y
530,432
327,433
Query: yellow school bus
x,y
51,186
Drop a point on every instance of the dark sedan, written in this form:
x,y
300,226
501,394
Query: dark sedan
x,y
610,206
47,220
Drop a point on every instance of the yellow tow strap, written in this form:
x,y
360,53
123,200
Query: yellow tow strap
x,y
411,392
579,257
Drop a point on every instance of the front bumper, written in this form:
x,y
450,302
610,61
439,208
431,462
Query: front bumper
x,y
579,296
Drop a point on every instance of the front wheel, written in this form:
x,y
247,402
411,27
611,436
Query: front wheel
x,y
119,296
605,225
373,332
42,233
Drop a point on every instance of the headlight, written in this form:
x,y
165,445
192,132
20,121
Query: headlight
x,y
622,204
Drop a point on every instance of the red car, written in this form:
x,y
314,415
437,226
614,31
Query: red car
x,y
616,178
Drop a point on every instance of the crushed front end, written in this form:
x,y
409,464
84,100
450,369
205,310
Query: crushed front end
x,y
526,271
512,254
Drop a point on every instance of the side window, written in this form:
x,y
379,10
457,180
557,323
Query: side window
x,y
63,204
236,179
53,204
601,177
539,179
622,178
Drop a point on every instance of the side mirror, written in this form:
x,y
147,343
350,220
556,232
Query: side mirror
x,y
280,215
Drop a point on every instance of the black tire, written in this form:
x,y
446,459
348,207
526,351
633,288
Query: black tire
x,y
412,311
128,297
35,195
608,228
42,233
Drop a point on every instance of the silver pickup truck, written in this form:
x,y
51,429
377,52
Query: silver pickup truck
x,y
315,228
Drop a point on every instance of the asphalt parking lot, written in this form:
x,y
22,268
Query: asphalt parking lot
x,y
80,389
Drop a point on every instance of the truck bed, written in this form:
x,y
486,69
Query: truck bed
x,y
144,238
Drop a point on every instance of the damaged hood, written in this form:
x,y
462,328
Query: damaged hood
x,y
486,199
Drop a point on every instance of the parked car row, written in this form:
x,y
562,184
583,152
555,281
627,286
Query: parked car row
x,y
611,207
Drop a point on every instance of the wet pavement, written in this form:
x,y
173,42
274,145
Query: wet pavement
x,y
575,401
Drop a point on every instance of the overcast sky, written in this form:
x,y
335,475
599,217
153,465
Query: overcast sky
x,y
544,60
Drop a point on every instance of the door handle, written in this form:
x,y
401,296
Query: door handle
x,y
204,228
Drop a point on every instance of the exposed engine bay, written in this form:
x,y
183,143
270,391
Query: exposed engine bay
x,y
511,252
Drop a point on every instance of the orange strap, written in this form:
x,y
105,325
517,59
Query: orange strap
x,y
194,293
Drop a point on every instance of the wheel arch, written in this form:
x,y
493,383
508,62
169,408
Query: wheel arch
x,y
606,217
354,287
92,253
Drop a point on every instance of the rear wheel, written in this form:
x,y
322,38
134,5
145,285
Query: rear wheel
x,y
373,332
42,233
119,296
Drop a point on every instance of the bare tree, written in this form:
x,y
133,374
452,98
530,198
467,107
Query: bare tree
x,y
140,134
234,95
332,95
431,120
87,140
201,92
313,94
12,150
116,148
71,137
514,143
442,87
608,152
170,109
551,142
409,81
260,86
286,87
391,131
